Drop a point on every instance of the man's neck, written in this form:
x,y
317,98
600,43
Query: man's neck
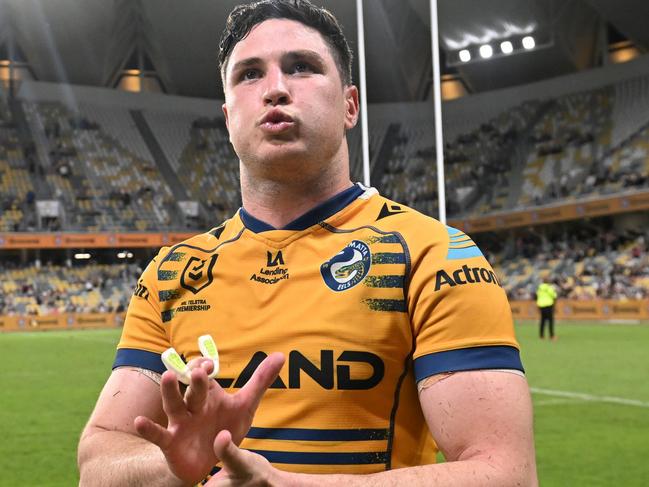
x,y
278,203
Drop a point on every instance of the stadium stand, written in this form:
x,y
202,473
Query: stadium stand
x,y
50,289
114,186
477,163
586,261
206,166
631,108
583,144
625,167
117,167
573,134
17,196
528,154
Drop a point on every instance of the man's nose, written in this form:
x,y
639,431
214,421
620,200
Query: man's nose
x,y
276,92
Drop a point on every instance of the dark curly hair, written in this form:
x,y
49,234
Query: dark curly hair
x,y
244,17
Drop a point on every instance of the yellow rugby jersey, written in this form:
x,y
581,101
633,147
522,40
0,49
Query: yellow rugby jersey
x,y
365,297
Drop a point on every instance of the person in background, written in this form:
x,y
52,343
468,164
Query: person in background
x,y
546,296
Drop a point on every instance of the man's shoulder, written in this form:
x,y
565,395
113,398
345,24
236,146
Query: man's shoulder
x,y
202,242
198,246
421,234
391,216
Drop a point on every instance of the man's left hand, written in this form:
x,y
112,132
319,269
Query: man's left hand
x,y
240,468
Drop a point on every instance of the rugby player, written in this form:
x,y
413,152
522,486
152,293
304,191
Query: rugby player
x,y
395,337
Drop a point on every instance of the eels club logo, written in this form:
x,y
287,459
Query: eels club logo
x,y
348,267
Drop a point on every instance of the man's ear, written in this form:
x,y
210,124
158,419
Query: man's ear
x,y
224,107
351,106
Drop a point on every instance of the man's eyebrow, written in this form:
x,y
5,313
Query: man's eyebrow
x,y
305,54
246,63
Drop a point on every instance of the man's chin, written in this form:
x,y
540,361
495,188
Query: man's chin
x,y
280,165
282,153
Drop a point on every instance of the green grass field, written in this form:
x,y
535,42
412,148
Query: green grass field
x,y
590,388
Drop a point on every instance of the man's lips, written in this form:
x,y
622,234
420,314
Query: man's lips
x,y
276,121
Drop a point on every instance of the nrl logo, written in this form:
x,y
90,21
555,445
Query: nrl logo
x,y
197,274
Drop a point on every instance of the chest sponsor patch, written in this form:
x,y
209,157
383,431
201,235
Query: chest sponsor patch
x,y
348,267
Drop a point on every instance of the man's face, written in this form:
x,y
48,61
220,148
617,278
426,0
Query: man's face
x,y
285,105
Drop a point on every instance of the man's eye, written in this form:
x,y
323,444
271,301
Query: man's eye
x,y
249,74
302,67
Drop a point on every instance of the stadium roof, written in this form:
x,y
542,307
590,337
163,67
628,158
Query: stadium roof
x,y
87,42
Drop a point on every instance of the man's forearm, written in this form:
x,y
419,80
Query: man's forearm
x,y
114,458
462,474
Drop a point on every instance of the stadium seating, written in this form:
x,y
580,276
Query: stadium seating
x,y
586,263
99,163
477,164
625,167
630,109
115,188
568,140
42,290
199,151
16,188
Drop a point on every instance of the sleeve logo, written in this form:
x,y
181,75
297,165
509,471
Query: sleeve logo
x,y
197,274
348,267
141,290
460,245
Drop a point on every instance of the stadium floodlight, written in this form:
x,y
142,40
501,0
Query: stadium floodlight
x,y
129,255
121,255
528,42
82,256
486,51
465,56
506,47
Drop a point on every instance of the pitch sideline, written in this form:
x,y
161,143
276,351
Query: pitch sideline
x,y
590,397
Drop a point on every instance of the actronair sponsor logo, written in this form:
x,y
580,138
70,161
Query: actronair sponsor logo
x,y
465,275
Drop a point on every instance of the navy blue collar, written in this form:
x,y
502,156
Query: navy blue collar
x,y
319,213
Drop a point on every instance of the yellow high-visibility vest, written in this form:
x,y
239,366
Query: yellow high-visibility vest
x,y
545,295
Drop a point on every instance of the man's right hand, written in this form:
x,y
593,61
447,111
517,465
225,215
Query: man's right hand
x,y
193,421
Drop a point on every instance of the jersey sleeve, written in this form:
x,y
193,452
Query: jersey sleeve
x,y
144,338
459,312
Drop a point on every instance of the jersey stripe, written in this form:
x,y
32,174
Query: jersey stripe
x,y
167,315
460,245
317,434
167,275
465,244
476,358
456,254
386,304
139,358
458,239
168,295
313,458
388,258
175,256
384,281
389,239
